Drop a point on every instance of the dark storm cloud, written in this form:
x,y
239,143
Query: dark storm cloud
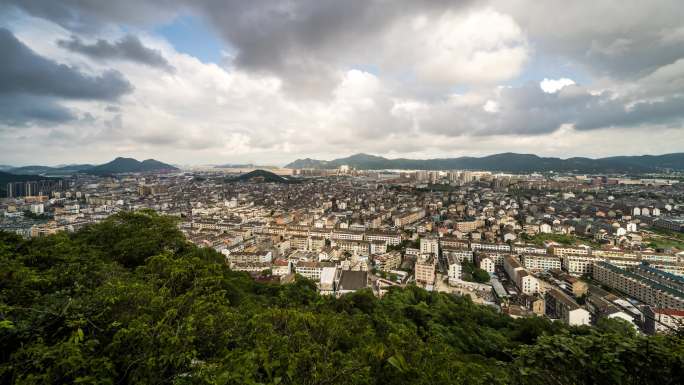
x,y
24,71
128,48
20,110
31,85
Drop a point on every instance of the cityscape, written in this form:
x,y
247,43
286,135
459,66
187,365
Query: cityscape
x,y
572,247
328,192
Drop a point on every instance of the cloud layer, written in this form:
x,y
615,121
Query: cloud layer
x,y
328,78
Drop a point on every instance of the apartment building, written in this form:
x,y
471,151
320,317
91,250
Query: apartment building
x,y
525,282
407,218
561,251
561,306
468,226
315,243
249,257
454,243
347,235
496,257
388,261
540,262
424,269
641,284
659,320
496,247
377,247
458,254
455,270
393,239
299,243
312,269
579,264
487,265
356,247
429,245
529,250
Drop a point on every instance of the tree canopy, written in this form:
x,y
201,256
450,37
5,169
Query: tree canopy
x,y
129,301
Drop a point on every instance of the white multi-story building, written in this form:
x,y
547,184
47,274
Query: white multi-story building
x,y
389,238
562,251
455,271
429,245
540,262
496,257
527,283
347,235
249,257
561,306
579,264
458,254
487,265
311,269
495,247
356,247
529,250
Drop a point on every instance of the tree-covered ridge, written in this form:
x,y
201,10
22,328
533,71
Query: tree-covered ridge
x,y
130,301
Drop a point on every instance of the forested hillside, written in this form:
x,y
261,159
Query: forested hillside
x,y
129,301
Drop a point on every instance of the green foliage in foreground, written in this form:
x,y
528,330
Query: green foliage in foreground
x,y
128,301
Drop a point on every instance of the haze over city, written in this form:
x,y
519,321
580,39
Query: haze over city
x,y
267,82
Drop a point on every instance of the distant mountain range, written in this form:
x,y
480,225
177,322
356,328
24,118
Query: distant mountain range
x,y
118,165
507,162
46,170
261,176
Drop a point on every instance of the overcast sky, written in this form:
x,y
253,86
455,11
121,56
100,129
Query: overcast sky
x,y
218,81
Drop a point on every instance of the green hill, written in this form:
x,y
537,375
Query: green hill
x,y
261,176
129,165
129,301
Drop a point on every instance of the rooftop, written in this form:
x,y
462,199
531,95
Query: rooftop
x,y
353,280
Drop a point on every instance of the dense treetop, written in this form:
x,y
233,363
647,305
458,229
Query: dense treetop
x,y
130,301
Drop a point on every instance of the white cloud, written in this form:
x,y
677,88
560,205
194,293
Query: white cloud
x,y
478,47
491,106
551,86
